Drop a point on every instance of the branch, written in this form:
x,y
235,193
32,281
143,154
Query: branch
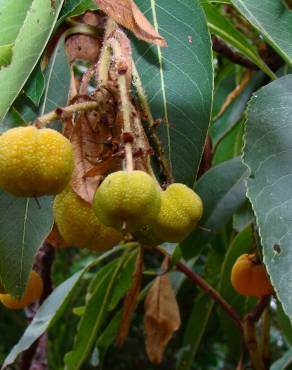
x,y
199,281
259,308
222,48
61,112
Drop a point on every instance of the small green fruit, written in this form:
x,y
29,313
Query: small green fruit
x,y
127,200
181,209
78,224
34,162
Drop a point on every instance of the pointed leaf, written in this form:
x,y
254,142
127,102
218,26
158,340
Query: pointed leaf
x,y
273,19
267,153
24,224
178,81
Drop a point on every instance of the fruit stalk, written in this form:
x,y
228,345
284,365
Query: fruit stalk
x,y
125,102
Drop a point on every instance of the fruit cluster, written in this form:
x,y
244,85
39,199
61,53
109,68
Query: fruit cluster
x,y
36,162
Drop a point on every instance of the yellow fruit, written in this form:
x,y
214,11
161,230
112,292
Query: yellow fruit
x,y
78,224
32,293
181,209
127,200
249,278
34,162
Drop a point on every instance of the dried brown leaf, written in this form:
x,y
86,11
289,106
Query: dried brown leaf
x,y
130,301
83,47
126,13
161,319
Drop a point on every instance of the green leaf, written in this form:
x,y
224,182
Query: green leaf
x,y
283,362
47,314
5,55
72,8
284,323
243,217
267,153
35,86
29,45
273,19
222,27
222,191
196,326
12,16
178,81
96,311
57,78
24,223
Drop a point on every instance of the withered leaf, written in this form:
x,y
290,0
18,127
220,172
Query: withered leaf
x,y
130,301
161,319
126,13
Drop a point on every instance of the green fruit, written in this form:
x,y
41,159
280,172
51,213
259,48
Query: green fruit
x,y
34,162
78,224
127,200
146,237
181,209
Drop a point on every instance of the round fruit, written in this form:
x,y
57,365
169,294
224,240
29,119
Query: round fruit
x,y
181,209
32,293
249,278
78,224
34,162
127,200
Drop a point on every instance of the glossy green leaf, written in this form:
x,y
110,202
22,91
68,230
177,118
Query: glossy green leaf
x,y
243,217
47,314
12,16
35,86
284,323
5,55
29,45
267,153
273,19
97,307
222,191
283,362
24,224
72,8
221,26
178,81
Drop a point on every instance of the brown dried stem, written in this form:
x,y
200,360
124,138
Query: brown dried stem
x,y
250,339
63,112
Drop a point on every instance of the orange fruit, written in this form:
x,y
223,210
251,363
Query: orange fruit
x,y
32,293
249,278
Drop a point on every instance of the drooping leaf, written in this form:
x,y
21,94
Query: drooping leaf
x,y
222,190
5,55
131,299
127,13
273,19
222,27
29,45
96,310
23,226
46,315
267,153
178,81
161,318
